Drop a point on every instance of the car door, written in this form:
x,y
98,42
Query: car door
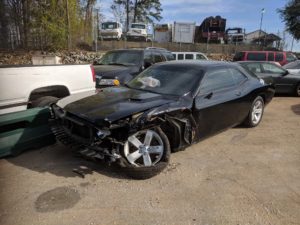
x,y
283,83
214,105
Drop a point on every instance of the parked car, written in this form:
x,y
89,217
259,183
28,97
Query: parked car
x,y
165,108
284,81
280,57
293,67
189,56
119,66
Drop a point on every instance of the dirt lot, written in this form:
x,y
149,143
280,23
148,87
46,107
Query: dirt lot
x,y
241,176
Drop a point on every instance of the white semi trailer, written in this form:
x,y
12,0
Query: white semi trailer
x,y
163,33
183,32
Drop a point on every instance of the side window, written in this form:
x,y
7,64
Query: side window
x,y
290,57
157,57
239,56
174,55
200,57
169,56
237,76
270,68
180,57
271,56
254,67
278,57
256,56
189,56
217,80
147,56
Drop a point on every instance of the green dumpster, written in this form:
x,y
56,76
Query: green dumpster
x,y
24,130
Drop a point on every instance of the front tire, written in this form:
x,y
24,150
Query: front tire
x,y
146,153
256,112
297,91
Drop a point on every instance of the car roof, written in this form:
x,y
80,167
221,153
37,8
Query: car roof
x,y
258,51
188,52
203,64
250,61
126,50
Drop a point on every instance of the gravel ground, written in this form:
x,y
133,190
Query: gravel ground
x,y
241,176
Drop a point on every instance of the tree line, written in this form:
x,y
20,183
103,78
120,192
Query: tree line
x,y
62,24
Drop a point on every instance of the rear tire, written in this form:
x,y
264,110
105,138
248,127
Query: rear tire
x,y
150,157
256,112
44,101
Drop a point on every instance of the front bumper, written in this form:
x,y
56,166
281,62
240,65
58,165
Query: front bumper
x,y
136,37
82,137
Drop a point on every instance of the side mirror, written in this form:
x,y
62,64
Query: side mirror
x,y
147,64
285,73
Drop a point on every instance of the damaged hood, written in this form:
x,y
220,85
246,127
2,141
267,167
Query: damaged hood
x,y
112,103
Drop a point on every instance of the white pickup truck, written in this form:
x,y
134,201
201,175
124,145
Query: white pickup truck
x,y
24,87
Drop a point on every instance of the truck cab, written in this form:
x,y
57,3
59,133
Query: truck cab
x,y
137,32
110,31
234,35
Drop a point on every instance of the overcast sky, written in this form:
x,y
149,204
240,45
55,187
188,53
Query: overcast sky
x,y
239,13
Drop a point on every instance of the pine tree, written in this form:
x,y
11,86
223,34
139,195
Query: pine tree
x,y
291,16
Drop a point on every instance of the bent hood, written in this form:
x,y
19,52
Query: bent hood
x,y
112,104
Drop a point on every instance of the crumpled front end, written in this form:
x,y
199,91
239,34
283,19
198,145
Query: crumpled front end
x,y
83,137
106,140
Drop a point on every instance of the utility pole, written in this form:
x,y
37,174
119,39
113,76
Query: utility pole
x,y
261,20
68,26
127,15
292,44
96,30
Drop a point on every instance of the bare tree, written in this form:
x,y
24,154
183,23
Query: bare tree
x,y
3,24
119,13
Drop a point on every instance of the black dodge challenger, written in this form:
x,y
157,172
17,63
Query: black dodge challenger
x,y
164,109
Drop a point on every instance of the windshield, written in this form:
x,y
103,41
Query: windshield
x,y
168,79
126,58
109,26
138,26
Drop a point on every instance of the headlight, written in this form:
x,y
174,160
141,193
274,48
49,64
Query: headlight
x,y
102,133
109,82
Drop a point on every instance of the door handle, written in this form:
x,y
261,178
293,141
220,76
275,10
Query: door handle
x,y
209,96
238,93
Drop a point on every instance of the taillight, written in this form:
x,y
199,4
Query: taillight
x,y
93,73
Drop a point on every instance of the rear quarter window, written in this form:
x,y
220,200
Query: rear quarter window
x,y
200,57
256,56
